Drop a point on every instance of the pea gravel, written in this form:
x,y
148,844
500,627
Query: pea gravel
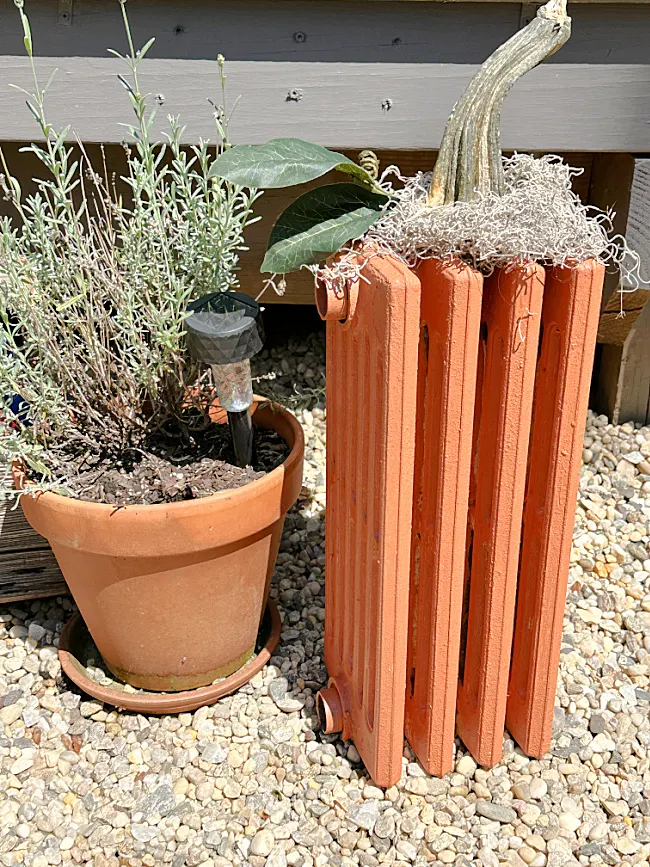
x,y
251,780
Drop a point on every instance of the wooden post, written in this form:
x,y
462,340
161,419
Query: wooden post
x,y
621,386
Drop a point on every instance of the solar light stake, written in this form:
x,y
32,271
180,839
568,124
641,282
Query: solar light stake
x,y
235,390
224,330
241,430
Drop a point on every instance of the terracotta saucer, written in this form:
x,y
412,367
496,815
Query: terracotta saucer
x,y
75,644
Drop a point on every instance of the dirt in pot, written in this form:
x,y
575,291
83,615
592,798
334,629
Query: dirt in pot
x,y
172,468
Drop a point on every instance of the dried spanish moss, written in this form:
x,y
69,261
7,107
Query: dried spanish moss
x,y
538,218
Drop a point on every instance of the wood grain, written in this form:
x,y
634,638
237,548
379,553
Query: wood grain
x,y
558,107
622,375
15,533
620,315
633,396
610,189
28,568
33,575
318,31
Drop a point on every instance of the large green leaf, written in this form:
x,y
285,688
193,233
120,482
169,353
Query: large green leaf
x,y
282,162
318,223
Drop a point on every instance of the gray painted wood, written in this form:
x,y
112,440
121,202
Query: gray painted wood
x,y
622,379
558,107
346,60
276,30
311,31
633,387
638,219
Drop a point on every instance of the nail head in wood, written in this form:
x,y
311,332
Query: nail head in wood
x,y
65,12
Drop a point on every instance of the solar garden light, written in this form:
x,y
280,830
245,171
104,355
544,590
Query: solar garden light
x,y
224,330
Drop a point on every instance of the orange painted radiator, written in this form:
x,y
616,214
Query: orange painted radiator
x,y
510,321
569,323
371,407
433,501
450,320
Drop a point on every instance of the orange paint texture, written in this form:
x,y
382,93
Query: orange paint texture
x,y
512,303
452,425
569,323
450,320
371,408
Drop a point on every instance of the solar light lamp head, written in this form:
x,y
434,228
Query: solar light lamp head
x,y
224,330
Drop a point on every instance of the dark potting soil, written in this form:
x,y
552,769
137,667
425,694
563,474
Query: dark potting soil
x,y
168,471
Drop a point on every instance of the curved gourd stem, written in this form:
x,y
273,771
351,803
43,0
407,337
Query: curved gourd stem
x,y
469,160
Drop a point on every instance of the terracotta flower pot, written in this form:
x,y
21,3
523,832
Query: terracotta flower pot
x,y
173,594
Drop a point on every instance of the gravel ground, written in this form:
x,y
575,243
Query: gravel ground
x,y
251,781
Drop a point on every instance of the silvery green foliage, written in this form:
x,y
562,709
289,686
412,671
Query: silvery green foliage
x,y
93,286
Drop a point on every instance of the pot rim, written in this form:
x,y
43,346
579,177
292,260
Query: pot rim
x,y
184,507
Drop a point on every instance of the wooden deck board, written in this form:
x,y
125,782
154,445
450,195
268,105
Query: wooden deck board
x,y
29,574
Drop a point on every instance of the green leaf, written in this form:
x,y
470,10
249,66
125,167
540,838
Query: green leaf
x,y
282,162
33,110
27,31
125,83
319,223
49,81
146,47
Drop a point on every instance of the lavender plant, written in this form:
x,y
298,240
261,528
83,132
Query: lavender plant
x,y
94,285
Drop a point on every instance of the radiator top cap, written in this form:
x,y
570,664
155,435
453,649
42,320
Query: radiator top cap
x,y
224,328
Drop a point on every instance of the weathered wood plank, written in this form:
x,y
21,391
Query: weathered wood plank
x,y
638,221
30,575
15,532
622,375
317,31
620,315
29,586
28,568
633,402
626,180
272,30
622,386
610,189
381,79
